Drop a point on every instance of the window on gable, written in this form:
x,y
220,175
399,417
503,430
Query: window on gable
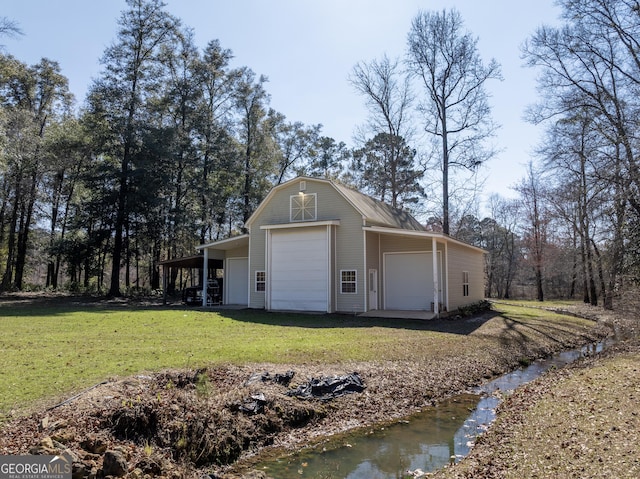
x,y
348,283
261,281
465,283
303,207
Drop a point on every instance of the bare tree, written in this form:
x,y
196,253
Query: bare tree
x,y
395,175
535,227
578,196
503,244
455,108
8,28
591,65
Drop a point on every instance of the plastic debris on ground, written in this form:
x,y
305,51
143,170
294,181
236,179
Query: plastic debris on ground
x,y
329,387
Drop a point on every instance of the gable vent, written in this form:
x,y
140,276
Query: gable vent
x,y
303,186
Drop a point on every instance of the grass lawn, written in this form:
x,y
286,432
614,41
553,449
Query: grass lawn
x,y
581,421
47,351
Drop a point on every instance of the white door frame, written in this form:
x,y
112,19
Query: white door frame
x,y
434,290
226,284
373,289
272,238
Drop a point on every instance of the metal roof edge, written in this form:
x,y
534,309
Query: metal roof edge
x,y
425,234
223,241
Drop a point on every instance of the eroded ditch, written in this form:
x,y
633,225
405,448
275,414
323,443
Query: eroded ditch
x,y
420,443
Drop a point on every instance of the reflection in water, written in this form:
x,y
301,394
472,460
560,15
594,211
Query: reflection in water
x,y
426,441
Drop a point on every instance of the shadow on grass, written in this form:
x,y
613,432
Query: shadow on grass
x,y
522,331
24,305
462,326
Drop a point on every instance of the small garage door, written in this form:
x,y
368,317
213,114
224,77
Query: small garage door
x,y
299,270
408,281
236,281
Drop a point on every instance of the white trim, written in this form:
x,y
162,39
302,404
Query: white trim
x,y
365,298
267,267
355,281
434,258
381,300
438,254
330,269
446,278
333,262
301,224
255,282
422,234
225,242
302,207
226,285
205,276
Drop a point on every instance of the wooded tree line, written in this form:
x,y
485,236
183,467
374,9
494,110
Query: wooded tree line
x,y
174,147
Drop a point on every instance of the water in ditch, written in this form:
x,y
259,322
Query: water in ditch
x,y
426,441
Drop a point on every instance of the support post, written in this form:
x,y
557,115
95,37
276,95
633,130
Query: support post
x,y
436,296
164,284
205,276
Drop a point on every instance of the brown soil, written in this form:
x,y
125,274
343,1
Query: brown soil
x,y
186,423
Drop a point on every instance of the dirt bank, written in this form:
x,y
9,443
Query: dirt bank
x,y
581,421
215,420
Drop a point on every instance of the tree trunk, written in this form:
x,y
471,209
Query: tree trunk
x,y
7,278
445,173
114,288
121,214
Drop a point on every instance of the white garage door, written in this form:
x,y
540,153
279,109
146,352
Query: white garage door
x,y
299,270
236,281
408,281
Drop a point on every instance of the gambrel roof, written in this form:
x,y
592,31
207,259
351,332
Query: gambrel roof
x,y
374,212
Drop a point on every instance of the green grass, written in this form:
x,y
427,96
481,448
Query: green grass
x,y
48,352
556,303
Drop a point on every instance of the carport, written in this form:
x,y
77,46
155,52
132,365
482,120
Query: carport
x,y
233,253
194,265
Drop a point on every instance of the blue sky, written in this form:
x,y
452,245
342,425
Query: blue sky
x,y
307,49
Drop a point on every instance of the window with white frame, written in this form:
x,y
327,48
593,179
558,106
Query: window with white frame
x,y
348,283
465,283
261,281
303,207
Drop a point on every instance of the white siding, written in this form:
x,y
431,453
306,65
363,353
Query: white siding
x,y
347,251
465,259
